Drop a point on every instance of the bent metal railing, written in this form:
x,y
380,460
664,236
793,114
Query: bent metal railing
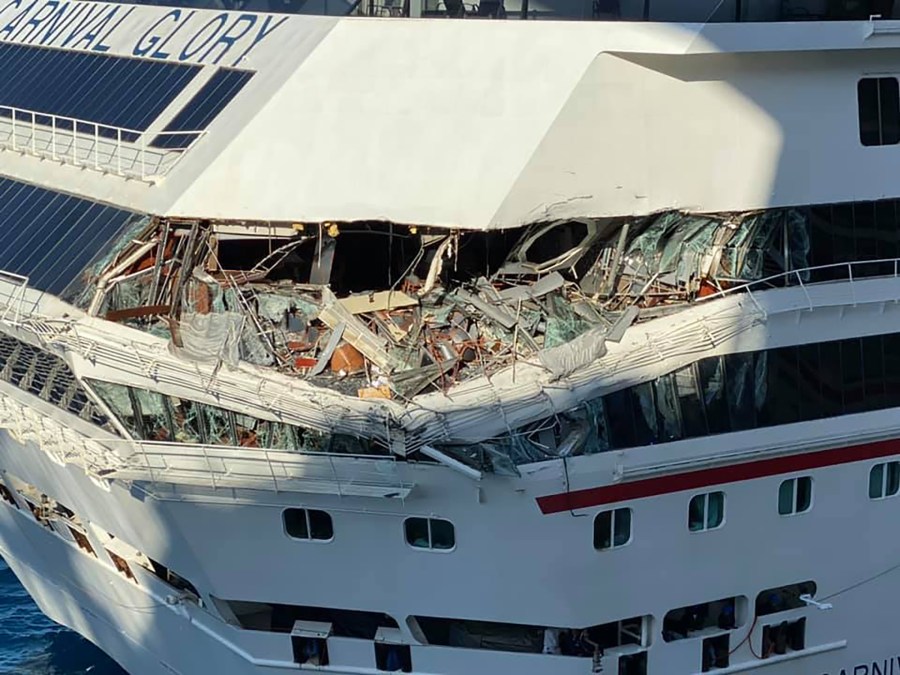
x,y
883,267
12,297
101,147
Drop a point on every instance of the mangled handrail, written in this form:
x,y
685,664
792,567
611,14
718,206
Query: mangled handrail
x,y
799,273
12,300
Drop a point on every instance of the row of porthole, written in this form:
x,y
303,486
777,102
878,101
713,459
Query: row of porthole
x,y
612,529
434,534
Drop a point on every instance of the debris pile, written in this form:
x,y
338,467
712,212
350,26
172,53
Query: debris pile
x,y
382,311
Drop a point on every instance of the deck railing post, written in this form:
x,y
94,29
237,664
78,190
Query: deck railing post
x,y
119,150
33,134
53,137
13,111
97,146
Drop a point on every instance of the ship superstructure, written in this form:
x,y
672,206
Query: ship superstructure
x,y
393,342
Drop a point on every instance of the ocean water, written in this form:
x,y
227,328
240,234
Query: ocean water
x,y
31,644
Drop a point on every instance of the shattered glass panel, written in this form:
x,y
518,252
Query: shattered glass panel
x,y
151,408
218,425
309,440
81,290
669,418
277,435
711,375
118,400
563,324
693,419
247,429
186,420
129,293
741,390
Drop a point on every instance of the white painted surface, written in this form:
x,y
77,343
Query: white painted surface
x,y
489,124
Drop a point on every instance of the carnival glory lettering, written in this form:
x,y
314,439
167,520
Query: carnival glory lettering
x,y
886,667
189,35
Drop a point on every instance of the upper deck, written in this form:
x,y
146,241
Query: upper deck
x,y
684,11
471,210
480,125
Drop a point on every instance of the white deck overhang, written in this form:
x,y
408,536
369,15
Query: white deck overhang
x,y
488,124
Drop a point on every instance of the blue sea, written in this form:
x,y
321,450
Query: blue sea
x,y
31,644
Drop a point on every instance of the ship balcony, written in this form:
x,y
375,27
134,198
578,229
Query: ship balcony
x,y
118,151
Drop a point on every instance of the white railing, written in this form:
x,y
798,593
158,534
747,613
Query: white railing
x,y
794,278
229,467
12,297
100,147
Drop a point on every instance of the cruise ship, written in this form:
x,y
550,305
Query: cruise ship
x,y
533,337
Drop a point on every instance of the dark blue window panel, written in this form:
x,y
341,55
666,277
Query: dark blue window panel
x,y
203,107
51,237
108,90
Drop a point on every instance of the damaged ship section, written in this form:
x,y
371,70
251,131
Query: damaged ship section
x,y
400,315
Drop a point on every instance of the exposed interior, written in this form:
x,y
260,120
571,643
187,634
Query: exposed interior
x,y
379,310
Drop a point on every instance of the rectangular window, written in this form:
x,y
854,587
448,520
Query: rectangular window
x,y
795,496
884,480
706,511
612,529
879,111
430,533
308,524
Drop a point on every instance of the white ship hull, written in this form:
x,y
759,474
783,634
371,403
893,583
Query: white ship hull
x,y
848,545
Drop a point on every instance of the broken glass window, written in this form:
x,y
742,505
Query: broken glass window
x,y
118,400
350,445
712,387
277,435
669,417
247,430
218,425
309,440
185,420
151,409
693,420
741,390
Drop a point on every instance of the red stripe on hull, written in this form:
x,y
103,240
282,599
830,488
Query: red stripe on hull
x,y
692,480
